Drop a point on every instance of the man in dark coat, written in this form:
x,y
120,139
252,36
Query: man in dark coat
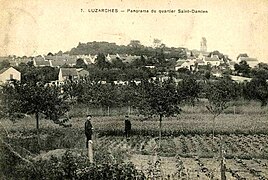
x,y
88,129
127,127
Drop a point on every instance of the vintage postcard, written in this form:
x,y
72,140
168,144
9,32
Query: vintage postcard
x,y
134,89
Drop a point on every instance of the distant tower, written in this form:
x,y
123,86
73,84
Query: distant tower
x,y
203,45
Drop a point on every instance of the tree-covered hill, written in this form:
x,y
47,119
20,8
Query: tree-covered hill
x,y
133,48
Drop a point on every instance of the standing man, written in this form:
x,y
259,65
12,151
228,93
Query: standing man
x,y
88,129
127,126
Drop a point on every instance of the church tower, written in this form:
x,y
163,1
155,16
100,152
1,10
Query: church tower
x,y
203,45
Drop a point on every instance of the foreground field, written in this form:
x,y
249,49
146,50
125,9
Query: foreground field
x,y
187,156
187,147
192,157
204,168
199,157
235,146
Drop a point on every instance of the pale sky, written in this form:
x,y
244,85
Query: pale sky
x,y
32,27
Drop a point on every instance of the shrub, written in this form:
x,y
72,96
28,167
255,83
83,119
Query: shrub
x,y
73,166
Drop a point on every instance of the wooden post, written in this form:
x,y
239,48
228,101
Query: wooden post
x,y
108,111
234,109
223,166
90,151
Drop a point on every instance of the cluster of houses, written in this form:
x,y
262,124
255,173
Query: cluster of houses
x,y
66,63
8,74
197,58
70,61
214,60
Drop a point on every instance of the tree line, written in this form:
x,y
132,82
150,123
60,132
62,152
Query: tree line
x,y
150,97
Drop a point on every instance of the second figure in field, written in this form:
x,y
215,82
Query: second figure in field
x,y
127,126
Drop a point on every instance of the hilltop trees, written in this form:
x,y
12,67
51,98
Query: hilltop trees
x,y
133,48
4,64
135,44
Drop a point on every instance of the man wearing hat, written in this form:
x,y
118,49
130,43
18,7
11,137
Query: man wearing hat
x,y
88,129
127,126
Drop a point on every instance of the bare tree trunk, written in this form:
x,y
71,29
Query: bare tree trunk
x,y
37,128
108,110
213,128
103,111
129,110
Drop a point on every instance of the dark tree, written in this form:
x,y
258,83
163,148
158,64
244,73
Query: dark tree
x,y
4,64
73,90
101,61
134,43
189,90
103,95
34,99
50,54
219,94
242,68
81,63
257,89
158,98
117,63
33,75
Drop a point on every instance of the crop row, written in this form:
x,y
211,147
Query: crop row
x,y
245,147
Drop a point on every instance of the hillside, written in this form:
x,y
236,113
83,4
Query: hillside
x,y
94,48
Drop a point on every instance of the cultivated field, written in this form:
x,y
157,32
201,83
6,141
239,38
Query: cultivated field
x,y
187,148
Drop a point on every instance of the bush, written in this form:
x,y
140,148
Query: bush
x,y
73,166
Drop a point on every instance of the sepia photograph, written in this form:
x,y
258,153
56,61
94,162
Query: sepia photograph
x,y
133,90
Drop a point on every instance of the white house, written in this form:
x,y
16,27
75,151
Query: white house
x,y
40,61
184,64
68,74
240,78
110,57
82,72
150,67
8,74
88,59
72,74
119,82
213,60
200,62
